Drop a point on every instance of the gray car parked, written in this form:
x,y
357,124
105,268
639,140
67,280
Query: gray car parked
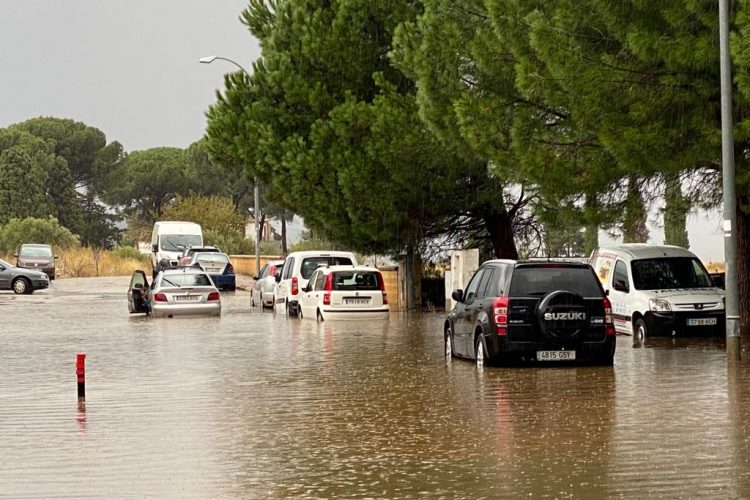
x,y
21,281
38,257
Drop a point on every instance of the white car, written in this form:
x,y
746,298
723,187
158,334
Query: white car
x,y
297,270
174,292
263,290
344,292
659,290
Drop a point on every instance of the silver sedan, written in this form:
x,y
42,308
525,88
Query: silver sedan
x,y
178,292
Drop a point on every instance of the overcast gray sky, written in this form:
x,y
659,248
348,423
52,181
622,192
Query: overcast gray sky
x,y
127,67
130,68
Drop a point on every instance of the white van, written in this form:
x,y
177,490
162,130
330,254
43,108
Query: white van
x,y
298,267
169,239
659,290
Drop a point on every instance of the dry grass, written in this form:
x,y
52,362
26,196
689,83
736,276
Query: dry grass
x,y
80,263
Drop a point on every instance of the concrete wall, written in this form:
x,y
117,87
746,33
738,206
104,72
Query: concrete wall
x,y
464,264
245,264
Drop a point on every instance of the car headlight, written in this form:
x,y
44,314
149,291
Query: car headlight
x,y
659,305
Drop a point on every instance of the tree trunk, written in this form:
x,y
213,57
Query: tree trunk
x,y
591,218
634,228
284,249
743,264
411,276
499,225
675,213
261,227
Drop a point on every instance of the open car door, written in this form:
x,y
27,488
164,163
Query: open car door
x,y
138,283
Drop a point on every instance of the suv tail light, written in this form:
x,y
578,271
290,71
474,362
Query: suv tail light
x,y
160,297
381,282
608,322
327,290
213,296
229,269
500,313
295,286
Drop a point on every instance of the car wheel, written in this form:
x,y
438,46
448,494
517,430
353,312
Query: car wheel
x,y
290,311
479,350
640,331
448,343
21,286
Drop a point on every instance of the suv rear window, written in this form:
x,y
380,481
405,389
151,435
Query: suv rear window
x,y
310,264
355,280
540,280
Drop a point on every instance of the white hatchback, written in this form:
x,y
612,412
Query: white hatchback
x,y
345,292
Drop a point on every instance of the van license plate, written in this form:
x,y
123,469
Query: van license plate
x,y
701,321
555,355
357,301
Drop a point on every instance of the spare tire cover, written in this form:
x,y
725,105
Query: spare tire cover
x,y
562,315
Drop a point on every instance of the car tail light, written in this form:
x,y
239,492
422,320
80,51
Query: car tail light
x,y
381,282
295,286
271,270
185,261
213,296
608,322
160,297
500,312
229,269
327,290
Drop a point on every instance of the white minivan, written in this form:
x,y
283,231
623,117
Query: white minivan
x,y
169,239
298,267
659,290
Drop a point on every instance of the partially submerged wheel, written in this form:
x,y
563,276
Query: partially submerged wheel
x,y
447,343
22,286
640,330
319,316
479,349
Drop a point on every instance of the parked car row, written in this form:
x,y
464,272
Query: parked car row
x,y
556,311
321,285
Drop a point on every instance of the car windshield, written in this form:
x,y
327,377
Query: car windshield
x,y
186,279
669,272
310,264
540,280
356,280
212,257
35,252
177,242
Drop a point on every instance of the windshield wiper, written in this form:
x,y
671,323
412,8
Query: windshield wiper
x,y
169,282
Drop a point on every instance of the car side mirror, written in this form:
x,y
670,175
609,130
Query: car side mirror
x,y
277,276
621,286
458,295
256,278
718,280
306,289
606,292
15,255
154,248
57,256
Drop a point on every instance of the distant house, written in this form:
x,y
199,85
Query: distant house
x,y
268,232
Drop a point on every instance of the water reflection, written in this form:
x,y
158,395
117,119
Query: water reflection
x,y
255,405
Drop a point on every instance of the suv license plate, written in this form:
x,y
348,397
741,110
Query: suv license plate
x,y
555,355
701,321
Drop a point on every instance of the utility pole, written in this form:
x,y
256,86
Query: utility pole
x,y
730,208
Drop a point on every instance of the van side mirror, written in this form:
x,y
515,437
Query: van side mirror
x,y
15,255
458,295
621,286
154,248
277,276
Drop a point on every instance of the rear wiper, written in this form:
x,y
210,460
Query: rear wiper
x,y
169,282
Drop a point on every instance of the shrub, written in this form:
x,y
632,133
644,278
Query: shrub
x,y
233,244
33,230
124,252
80,263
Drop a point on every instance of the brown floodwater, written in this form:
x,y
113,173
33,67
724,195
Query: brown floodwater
x,y
252,405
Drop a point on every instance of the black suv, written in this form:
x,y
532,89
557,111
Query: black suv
x,y
531,311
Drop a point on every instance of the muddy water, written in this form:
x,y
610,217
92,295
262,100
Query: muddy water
x,y
256,406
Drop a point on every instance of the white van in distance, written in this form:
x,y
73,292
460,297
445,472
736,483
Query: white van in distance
x,y
659,290
168,239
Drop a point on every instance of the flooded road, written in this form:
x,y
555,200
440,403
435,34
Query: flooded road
x,y
252,405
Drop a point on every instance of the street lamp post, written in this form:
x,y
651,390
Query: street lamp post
x,y
256,201
732,309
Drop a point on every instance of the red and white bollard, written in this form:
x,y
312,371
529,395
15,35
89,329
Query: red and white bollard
x,y
81,374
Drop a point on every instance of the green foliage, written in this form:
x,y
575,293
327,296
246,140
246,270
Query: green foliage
x,y
213,213
33,230
98,227
232,244
88,156
145,182
310,242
